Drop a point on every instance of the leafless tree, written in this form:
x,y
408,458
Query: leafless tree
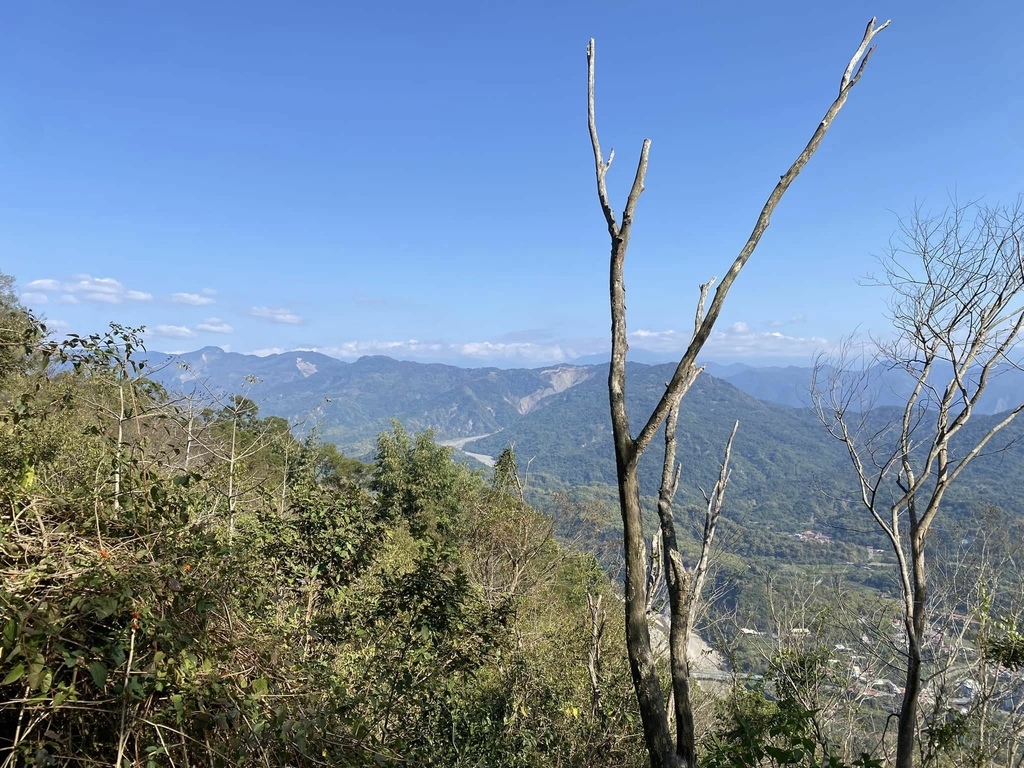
x,y
957,308
663,749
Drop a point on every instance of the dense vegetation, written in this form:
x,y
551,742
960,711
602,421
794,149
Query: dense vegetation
x,y
192,585
187,582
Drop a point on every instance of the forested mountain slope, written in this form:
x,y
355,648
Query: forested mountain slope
x,y
788,474
351,402
783,459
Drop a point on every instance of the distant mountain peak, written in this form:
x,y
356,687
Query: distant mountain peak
x,y
206,353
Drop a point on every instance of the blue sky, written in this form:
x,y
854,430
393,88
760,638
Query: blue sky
x,y
415,179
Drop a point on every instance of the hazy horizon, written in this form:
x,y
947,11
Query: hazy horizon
x,y
635,356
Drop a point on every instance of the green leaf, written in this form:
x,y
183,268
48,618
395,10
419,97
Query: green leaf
x,y
36,673
779,754
14,675
99,674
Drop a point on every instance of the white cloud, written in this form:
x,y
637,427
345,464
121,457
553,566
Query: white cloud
x,y
522,350
276,315
103,298
655,339
105,290
360,348
214,325
195,299
523,353
34,297
739,340
209,292
174,332
89,284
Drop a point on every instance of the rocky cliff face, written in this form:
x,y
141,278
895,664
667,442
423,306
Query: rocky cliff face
x,y
559,379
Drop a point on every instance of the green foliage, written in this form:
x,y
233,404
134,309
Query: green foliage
x,y
1005,647
329,467
194,586
20,331
999,640
761,732
417,483
185,582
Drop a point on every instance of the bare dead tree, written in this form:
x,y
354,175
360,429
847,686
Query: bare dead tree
x,y
686,585
957,308
663,750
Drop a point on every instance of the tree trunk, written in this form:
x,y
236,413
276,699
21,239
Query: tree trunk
x,y
679,596
686,738
679,633
649,695
915,627
907,723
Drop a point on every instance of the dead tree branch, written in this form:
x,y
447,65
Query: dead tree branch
x,y
661,747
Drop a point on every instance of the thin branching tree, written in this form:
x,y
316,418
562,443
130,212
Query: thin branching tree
x,y
957,309
664,749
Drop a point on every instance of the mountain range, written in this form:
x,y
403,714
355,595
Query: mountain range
x,y
351,403
788,474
